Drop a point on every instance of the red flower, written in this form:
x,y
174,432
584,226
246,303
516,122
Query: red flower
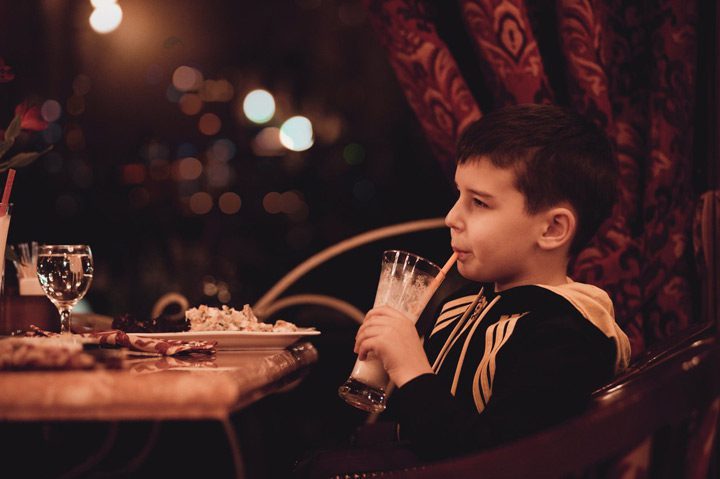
x,y
31,119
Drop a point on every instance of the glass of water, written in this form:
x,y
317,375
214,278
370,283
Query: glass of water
x,y
65,273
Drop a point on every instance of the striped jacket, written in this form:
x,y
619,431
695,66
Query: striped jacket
x,y
508,364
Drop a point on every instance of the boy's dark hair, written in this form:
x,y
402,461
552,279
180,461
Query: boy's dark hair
x,y
557,156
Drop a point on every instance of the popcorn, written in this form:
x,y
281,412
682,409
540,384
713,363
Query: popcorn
x,y
206,318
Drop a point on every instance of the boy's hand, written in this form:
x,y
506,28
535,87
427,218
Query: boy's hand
x,y
391,336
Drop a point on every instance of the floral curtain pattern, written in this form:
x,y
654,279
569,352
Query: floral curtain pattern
x,y
630,67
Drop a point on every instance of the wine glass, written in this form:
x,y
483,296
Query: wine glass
x,y
65,273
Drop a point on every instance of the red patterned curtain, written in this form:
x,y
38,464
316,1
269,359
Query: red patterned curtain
x,y
628,65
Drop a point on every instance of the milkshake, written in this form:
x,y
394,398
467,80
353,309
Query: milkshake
x,y
406,284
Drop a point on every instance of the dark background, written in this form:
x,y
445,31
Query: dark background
x,y
369,166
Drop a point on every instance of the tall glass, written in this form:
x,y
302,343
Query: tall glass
x,y
65,273
5,212
406,284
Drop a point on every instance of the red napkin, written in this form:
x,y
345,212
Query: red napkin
x,y
137,342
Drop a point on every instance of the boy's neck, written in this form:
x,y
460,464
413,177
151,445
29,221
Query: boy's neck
x,y
550,273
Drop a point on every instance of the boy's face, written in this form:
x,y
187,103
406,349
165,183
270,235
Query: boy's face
x,y
494,236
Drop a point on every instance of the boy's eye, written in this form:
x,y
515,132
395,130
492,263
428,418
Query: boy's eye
x,y
480,203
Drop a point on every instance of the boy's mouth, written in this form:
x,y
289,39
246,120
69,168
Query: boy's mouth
x,y
461,254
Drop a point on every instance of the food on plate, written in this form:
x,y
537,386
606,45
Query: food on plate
x,y
161,324
207,318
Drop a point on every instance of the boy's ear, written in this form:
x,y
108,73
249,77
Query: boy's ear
x,y
559,228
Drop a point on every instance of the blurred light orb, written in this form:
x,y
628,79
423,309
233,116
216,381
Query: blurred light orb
x,y
259,106
190,104
75,138
187,78
223,149
217,90
133,174
51,110
296,134
218,174
354,154
267,142
188,169
229,203
272,203
209,124
102,3
186,149
172,94
201,203
106,17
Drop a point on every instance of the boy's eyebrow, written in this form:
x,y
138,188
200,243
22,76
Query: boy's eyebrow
x,y
476,192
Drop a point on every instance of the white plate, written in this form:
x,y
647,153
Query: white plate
x,y
245,340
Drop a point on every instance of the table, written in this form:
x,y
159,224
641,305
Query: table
x,y
166,389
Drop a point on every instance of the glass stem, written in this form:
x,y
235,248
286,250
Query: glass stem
x,y
64,320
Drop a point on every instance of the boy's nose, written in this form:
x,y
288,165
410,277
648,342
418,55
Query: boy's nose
x,y
451,219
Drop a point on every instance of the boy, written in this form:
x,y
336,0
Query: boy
x,y
525,348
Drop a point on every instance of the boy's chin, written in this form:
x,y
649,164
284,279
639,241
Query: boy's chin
x,y
469,273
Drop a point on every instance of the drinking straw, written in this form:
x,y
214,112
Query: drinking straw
x,y
437,281
6,193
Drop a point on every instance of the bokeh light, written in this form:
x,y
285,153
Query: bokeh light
x,y
190,104
209,124
222,150
186,149
201,203
272,203
354,154
106,17
187,169
267,142
51,110
259,106
218,174
75,138
187,78
209,286
296,134
173,94
133,173
102,3
217,90
229,203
